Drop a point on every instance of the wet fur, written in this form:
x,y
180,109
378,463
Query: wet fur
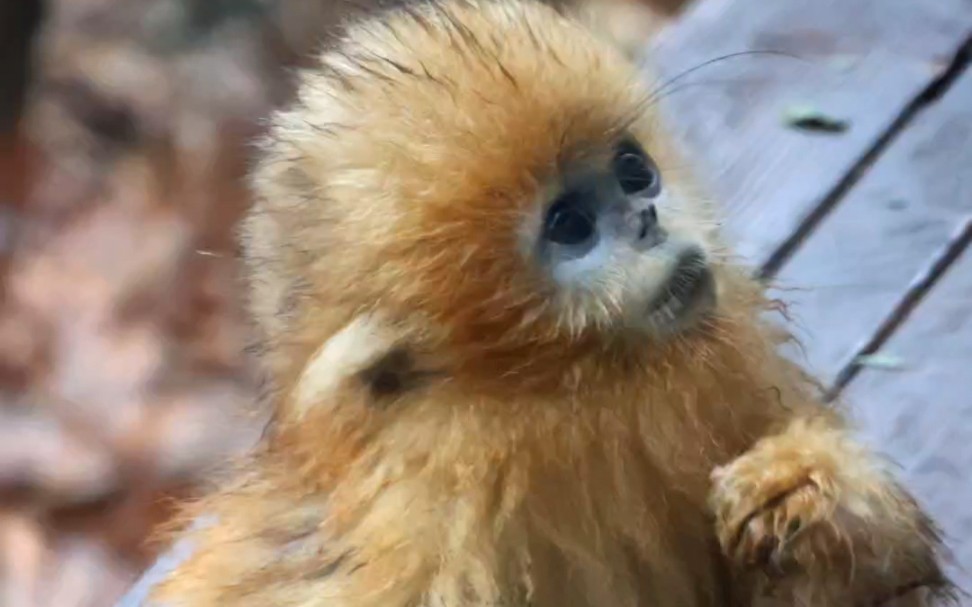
x,y
533,454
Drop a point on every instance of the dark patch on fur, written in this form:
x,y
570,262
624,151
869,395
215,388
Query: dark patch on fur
x,y
392,375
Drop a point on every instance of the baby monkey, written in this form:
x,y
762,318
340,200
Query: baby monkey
x,y
513,365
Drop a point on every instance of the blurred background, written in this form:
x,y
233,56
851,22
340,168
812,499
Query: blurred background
x,y
840,160
124,140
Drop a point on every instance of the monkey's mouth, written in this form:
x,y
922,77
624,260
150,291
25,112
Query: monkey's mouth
x,y
690,291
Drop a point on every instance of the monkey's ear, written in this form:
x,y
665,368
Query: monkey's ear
x,y
369,353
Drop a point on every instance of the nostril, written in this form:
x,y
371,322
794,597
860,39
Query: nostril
x,y
652,213
649,218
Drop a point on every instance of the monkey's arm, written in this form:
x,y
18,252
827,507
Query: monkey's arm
x,y
815,516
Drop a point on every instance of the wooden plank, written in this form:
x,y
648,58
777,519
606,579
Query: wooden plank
x,y
861,60
850,275
921,414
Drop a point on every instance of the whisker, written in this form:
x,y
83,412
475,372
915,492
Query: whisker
x,y
686,85
656,94
676,78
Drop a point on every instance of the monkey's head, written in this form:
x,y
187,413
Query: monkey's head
x,y
493,177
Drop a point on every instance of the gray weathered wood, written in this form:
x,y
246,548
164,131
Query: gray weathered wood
x,y
861,60
921,414
855,268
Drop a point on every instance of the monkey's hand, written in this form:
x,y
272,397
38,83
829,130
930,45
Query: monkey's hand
x,y
811,515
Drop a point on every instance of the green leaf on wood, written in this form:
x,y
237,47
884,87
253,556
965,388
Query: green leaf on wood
x,y
809,118
881,361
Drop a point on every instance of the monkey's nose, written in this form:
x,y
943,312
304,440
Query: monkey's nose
x,y
647,221
646,229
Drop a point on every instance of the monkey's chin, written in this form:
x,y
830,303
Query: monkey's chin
x,y
687,298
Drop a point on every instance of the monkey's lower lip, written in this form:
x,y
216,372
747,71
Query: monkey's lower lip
x,y
690,287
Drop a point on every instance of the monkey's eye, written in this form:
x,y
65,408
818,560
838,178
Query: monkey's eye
x,y
568,223
635,171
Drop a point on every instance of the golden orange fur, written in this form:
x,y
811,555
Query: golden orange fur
x,y
528,451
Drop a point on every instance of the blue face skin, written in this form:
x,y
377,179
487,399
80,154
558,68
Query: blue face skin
x,y
603,231
599,210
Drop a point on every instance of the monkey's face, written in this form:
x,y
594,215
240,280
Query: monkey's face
x,y
622,246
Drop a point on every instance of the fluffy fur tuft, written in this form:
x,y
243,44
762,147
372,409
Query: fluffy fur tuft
x,y
454,430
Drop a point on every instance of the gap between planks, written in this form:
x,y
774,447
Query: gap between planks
x,y
935,89
940,263
922,284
